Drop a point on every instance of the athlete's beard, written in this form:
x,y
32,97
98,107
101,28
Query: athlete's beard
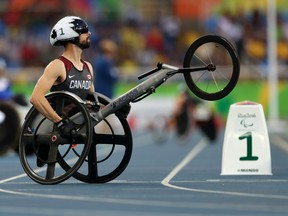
x,y
84,45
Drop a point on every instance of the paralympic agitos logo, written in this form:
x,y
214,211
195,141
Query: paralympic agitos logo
x,y
246,123
247,119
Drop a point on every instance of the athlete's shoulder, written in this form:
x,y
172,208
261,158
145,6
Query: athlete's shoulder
x,y
89,65
56,63
55,66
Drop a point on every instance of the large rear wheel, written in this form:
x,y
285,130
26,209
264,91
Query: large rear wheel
x,y
49,148
110,151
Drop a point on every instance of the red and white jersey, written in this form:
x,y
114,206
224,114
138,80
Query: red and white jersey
x,y
77,82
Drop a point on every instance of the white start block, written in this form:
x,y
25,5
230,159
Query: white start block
x,y
246,148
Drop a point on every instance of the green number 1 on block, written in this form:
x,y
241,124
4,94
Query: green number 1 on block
x,y
249,156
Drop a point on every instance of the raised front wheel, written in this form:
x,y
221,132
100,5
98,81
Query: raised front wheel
x,y
220,65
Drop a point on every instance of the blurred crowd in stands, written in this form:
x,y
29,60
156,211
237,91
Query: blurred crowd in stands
x,y
24,38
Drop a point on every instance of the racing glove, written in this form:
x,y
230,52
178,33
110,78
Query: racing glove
x,y
66,128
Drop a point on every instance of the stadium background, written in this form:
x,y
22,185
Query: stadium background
x,y
147,32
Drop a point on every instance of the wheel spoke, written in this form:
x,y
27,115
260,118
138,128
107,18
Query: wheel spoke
x,y
110,139
215,82
110,150
52,156
59,105
207,54
92,163
226,70
50,171
201,76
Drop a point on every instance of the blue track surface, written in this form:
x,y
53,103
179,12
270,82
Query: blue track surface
x,y
173,178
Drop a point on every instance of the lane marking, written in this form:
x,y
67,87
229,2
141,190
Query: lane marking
x,y
142,141
138,202
191,155
198,148
13,178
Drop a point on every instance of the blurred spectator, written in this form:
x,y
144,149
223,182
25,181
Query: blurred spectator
x,y
171,30
6,93
154,39
132,41
142,36
5,84
256,49
282,36
231,27
105,70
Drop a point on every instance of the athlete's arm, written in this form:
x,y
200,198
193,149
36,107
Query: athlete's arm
x,y
53,74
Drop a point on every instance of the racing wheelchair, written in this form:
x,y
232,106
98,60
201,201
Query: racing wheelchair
x,y
101,147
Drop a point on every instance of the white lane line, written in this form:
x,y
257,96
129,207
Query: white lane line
x,y
142,142
130,202
13,178
166,182
192,154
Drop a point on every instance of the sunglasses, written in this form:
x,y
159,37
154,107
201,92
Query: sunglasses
x,y
83,30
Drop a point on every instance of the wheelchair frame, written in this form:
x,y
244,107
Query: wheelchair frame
x,y
80,156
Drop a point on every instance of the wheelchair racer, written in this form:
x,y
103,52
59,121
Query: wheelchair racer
x,y
69,72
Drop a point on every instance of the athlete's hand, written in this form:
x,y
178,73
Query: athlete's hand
x,y
66,128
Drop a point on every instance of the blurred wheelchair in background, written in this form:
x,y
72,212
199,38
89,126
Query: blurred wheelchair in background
x,y
12,112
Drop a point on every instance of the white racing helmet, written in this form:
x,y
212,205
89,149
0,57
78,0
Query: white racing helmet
x,y
68,28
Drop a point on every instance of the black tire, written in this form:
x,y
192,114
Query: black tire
x,y
42,134
222,67
110,150
10,127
